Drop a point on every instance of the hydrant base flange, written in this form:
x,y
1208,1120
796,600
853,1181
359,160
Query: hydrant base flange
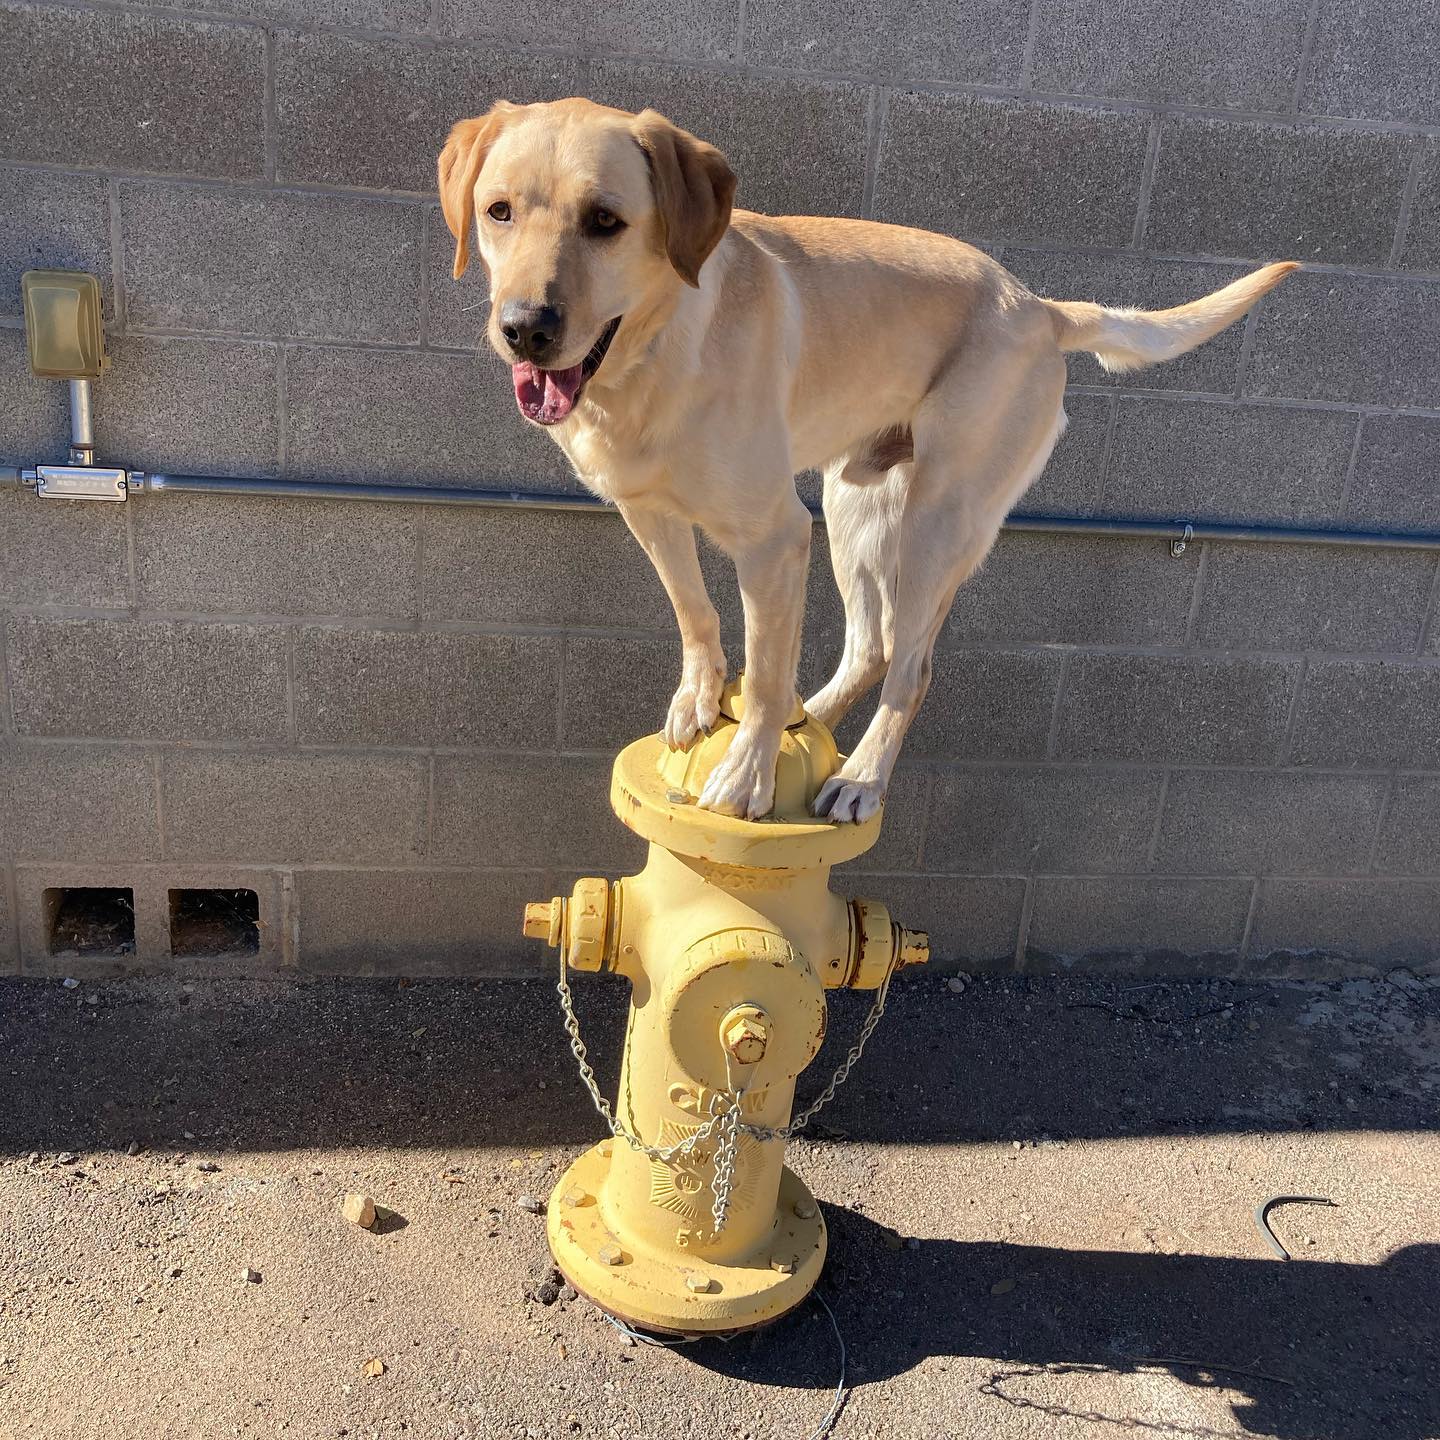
x,y
681,1292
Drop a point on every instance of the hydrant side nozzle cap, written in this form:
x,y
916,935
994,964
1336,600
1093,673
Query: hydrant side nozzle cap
x,y
914,948
543,918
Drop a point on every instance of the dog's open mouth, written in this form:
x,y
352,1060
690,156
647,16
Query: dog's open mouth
x,y
548,396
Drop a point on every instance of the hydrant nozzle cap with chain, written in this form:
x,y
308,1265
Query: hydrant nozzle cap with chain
x,y
730,936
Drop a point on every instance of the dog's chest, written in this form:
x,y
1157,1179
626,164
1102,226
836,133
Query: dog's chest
x,y
613,467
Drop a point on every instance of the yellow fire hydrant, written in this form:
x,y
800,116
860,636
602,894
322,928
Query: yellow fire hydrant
x,y
688,1220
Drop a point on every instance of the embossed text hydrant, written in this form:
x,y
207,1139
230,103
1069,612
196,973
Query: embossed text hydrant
x,y
687,1220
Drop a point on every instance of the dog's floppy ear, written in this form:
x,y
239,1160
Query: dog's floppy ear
x,y
460,162
694,189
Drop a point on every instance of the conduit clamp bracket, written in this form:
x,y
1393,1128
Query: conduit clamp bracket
x,y
1177,545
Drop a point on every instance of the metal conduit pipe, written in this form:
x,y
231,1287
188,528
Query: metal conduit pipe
x,y
1178,532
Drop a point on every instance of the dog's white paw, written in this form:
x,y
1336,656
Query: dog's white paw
x,y
695,706
743,783
848,802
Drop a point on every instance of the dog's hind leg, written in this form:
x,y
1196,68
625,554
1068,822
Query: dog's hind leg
x,y
863,507
982,436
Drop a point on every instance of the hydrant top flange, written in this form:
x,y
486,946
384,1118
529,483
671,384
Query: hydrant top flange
x,y
653,791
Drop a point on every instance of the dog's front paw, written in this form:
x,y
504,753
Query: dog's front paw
x,y
848,801
695,706
743,783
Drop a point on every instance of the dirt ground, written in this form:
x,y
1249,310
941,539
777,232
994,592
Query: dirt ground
x,y
1039,1193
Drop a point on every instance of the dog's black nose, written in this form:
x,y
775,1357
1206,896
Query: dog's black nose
x,y
531,331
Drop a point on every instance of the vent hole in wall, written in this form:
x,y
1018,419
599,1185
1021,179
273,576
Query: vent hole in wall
x,y
214,922
90,920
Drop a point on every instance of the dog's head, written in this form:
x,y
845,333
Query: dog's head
x,y
582,213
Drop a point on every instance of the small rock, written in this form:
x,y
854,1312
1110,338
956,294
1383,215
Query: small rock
x,y
70,983
1017,1144
208,1166
92,999
955,985
176,1272
189,1134
1002,1287
568,1293
66,1157
531,1205
133,1148
540,1085
359,1210
249,1276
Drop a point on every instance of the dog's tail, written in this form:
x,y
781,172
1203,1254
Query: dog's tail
x,y
1127,339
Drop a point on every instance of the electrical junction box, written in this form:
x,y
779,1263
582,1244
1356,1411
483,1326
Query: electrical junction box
x,y
63,331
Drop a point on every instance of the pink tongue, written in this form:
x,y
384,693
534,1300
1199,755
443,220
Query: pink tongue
x,y
545,396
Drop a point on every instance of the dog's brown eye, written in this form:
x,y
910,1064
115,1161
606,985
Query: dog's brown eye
x,y
606,221
499,211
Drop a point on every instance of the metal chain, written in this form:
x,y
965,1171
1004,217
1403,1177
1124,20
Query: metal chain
x,y
725,1124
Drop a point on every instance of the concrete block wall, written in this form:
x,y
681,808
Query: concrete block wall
x,y
394,723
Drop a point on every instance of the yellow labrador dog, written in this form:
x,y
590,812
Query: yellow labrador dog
x,y
690,358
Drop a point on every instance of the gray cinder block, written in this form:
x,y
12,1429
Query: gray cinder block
x,y
1376,61
1072,481
617,688
987,704
557,26
374,113
1366,922
1225,822
1410,840
754,121
410,416
985,169
266,264
61,553
1293,192
416,922
288,806
702,29
1184,926
9,951
1367,714
1364,339
1197,460
1422,235
1148,285
458,309
237,553
191,101
1076,589
400,687
52,222
539,567
161,680
1394,486
1233,57
34,421
201,406
971,41
1162,707
1303,597
78,802
150,886
535,810
1045,818
973,921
